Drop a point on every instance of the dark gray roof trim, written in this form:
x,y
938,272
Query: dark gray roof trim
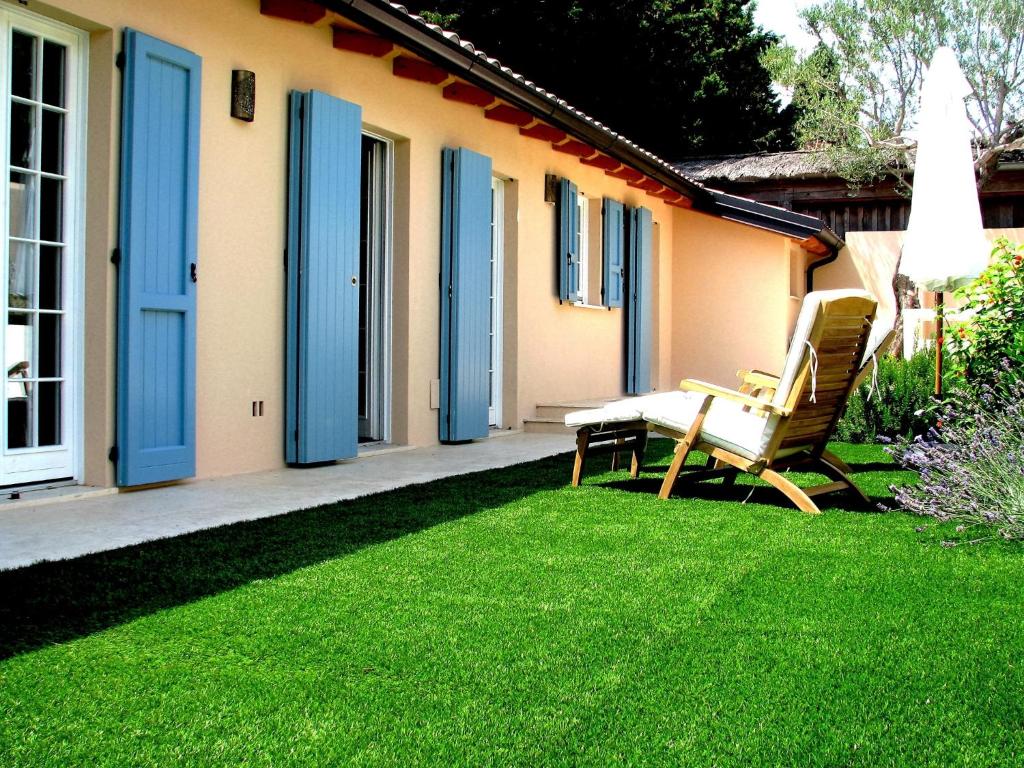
x,y
771,217
464,60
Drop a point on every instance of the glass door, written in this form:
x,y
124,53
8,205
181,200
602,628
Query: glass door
x,y
374,290
497,280
39,83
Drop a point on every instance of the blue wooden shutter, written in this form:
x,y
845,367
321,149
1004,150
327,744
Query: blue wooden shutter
x,y
639,302
614,253
465,294
322,339
568,256
156,318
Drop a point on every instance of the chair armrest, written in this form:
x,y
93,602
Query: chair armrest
x,y
758,378
692,385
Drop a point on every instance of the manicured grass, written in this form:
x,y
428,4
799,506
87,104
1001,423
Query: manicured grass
x,y
507,619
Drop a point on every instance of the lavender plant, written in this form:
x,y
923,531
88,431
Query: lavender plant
x,y
971,466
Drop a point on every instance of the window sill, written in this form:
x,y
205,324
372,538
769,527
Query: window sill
x,y
581,305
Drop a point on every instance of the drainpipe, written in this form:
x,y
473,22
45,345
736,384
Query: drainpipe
x,y
835,245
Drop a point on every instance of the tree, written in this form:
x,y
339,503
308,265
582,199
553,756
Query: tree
x,y
679,77
857,94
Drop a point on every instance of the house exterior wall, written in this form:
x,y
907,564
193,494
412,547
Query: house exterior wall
x,y
870,260
730,297
552,352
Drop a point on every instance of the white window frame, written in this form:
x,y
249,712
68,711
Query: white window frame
x,y
497,298
73,287
583,247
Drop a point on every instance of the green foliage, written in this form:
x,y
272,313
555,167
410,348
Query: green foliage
x,y
995,331
901,404
856,96
676,76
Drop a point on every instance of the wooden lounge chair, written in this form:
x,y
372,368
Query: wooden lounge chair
x,y
766,437
771,423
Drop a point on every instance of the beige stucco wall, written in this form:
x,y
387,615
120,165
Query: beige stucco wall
x,y
553,352
731,305
869,261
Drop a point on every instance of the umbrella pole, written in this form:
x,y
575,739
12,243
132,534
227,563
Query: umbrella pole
x,y
939,332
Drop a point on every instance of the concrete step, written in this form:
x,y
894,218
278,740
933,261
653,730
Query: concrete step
x,y
546,426
559,410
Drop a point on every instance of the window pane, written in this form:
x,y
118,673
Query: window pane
x,y
23,65
52,146
49,346
51,210
21,276
50,271
18,414
23,135
18,346
53,74
23,205
49,407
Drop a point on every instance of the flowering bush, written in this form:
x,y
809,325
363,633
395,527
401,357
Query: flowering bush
x,y
995,330
972,465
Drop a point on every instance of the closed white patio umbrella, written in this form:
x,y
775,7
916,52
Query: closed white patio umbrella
x,y
945,246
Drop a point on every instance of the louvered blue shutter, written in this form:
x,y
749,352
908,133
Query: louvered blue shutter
x,y
568,255
465,294
156,316
639,298
614,253
322,318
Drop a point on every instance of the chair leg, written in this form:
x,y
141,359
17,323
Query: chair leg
x,y
615,454
639,449
836,462
582,441
792,492
840,472
682,451
729,480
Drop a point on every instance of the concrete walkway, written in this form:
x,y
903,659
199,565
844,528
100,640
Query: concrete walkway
x,y
55,530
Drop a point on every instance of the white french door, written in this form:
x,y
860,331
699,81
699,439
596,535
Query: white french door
x,y
375,290
497,269
42,67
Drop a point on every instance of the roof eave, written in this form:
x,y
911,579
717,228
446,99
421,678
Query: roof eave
x,y
476,69
796,225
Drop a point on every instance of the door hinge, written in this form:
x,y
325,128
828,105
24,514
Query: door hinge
x,y
119,60
449,290
115,256
114,454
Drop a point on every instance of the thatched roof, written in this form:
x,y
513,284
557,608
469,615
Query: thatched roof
x,y
801,164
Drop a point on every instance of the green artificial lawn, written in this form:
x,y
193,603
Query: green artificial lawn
x,y
505,618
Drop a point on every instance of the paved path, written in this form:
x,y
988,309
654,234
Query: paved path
x,y
54,530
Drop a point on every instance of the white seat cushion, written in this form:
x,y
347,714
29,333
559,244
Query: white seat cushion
x,y
617,412
726,424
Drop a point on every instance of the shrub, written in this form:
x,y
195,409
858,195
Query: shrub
x,y
900,404
994,330
972,466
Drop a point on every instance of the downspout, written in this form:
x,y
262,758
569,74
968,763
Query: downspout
x,y
835,246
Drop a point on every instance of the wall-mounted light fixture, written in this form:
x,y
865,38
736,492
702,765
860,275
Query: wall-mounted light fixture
x,y
243,94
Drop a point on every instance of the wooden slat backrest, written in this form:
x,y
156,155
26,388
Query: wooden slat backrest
x,y
839,336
